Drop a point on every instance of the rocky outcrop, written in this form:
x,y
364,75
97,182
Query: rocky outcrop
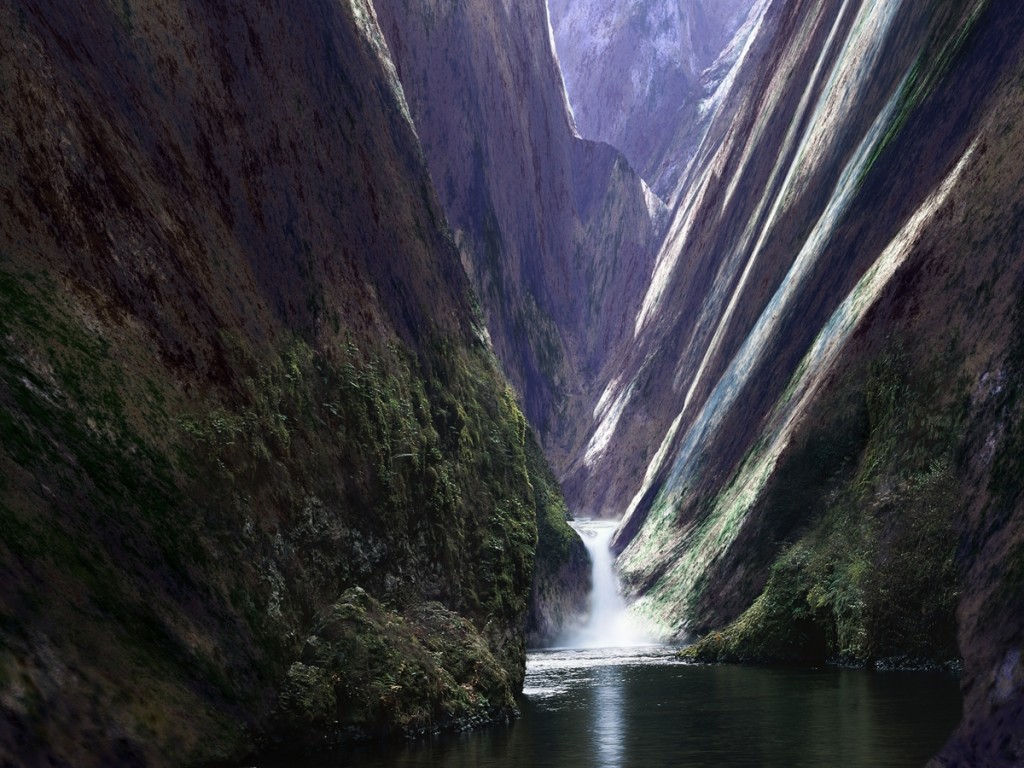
x,y
366,669
241,374
814,430
642,76
560,591
557,233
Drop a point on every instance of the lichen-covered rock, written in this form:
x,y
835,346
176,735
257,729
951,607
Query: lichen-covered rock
x,y
241,372
368,672
307,707
561,585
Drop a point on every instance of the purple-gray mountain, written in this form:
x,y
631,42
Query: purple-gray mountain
x,y
815,434
557,233
261,480
641,76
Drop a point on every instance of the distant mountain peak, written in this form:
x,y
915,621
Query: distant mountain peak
x,y
636,73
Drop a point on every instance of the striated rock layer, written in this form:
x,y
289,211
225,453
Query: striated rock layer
x,y
557,233
252,432
815,432
642,76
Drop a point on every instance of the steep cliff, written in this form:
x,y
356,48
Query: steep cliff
x,y
814,433
558,233
261,482
641,76
560,590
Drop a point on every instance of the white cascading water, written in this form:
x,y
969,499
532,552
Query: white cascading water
x,y
610,624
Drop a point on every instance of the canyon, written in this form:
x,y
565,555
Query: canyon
x,y
813,429
317,323
263,484
639,75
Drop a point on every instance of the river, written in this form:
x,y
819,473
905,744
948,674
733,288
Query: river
x,y
634,708
640,707
633,705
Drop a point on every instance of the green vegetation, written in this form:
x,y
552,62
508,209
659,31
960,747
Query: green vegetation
x,y
561,575
951,27
91,519
406,484
203,537
368,672
867,502
557,543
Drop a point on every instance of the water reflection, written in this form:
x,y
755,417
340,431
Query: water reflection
x,y
639,708
647,710
608,730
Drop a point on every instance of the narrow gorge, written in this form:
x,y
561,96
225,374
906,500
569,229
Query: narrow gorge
x,y
321,321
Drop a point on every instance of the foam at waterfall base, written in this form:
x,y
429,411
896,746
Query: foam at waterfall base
x,y
610,623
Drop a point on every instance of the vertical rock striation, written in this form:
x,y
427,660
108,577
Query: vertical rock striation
x,y
557,233
813,430
251,427
641,76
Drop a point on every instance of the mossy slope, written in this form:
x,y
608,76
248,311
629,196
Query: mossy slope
x,y
562,573
241,375
868,502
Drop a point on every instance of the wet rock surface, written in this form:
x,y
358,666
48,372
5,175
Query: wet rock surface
x,y
241,372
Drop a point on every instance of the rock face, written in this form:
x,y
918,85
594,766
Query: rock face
x,y
815,429
241,376
640,74
558,233
251,423
560,591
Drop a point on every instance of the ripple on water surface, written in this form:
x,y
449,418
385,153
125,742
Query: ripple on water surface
x,y
639,707
550,673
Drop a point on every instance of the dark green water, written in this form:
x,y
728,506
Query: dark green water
x,y
636,708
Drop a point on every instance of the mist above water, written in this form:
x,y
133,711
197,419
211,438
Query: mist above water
x,y
610,624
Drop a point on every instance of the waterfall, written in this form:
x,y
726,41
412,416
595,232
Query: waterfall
x,y
610,624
